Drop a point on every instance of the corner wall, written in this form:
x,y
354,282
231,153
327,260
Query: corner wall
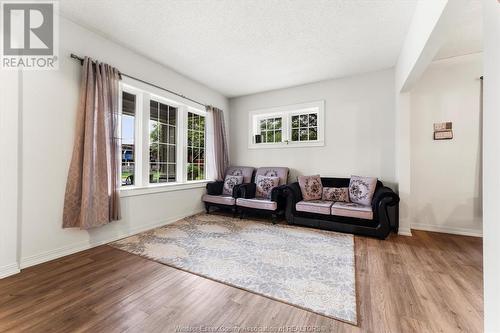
x,y
9,171
359,128
446,174
49,111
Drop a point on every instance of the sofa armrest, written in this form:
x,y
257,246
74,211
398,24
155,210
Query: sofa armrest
x,y
247,190
237,191
277,193
384,195
215,188
383,198
292,195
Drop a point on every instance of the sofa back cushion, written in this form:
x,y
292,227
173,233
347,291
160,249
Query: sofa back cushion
x,y
230,182
280,172
361,189
335,182
264,186
341,182
337,194
311,187
246,172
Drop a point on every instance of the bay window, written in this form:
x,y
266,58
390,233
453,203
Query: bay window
x,y
163,141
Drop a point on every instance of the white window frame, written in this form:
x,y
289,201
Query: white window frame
x,y
286,113
178,133
137,130
185,160
144,94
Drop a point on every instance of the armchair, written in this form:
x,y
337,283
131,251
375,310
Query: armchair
x,y
215,196
248,201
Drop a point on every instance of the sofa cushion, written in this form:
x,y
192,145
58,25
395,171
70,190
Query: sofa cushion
x,y
280,172
264,186
219,199
230,182
311,187
246,172
361,189
350,209
257,203
336,194
314,206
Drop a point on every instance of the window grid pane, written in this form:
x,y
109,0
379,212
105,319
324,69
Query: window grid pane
x,y
127,139
196,147
162,137
305,127
271,130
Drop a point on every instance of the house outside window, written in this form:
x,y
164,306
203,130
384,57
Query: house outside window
x,y
127,138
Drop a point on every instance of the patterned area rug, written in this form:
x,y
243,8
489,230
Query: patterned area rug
x,y
307,268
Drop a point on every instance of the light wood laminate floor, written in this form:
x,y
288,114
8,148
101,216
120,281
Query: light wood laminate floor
x,y
430,282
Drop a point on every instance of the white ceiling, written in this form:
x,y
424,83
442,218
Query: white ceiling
x,y
239,47
466,33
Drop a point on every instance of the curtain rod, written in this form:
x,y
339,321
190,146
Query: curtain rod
x,y
74,56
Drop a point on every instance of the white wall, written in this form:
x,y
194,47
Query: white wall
x,y
403,160
431,22
49,111
445,175
491,165
428,30
359,128
9,174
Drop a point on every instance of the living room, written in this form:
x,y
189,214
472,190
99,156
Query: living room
x,y
266,166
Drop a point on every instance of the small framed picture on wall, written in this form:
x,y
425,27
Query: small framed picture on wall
x,y
443,131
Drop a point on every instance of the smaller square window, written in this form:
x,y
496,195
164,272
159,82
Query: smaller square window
x,y
288,126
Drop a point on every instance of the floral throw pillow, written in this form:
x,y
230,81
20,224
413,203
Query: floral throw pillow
x,y
311,187
361,190
265,185
338,194
230,182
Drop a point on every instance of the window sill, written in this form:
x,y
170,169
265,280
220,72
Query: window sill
x,y
286,145
151,189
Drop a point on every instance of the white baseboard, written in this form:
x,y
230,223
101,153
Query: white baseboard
x,y
74,248
448,229
404,231
8,270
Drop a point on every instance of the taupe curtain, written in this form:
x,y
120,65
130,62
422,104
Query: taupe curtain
x,y
92,197
221,155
